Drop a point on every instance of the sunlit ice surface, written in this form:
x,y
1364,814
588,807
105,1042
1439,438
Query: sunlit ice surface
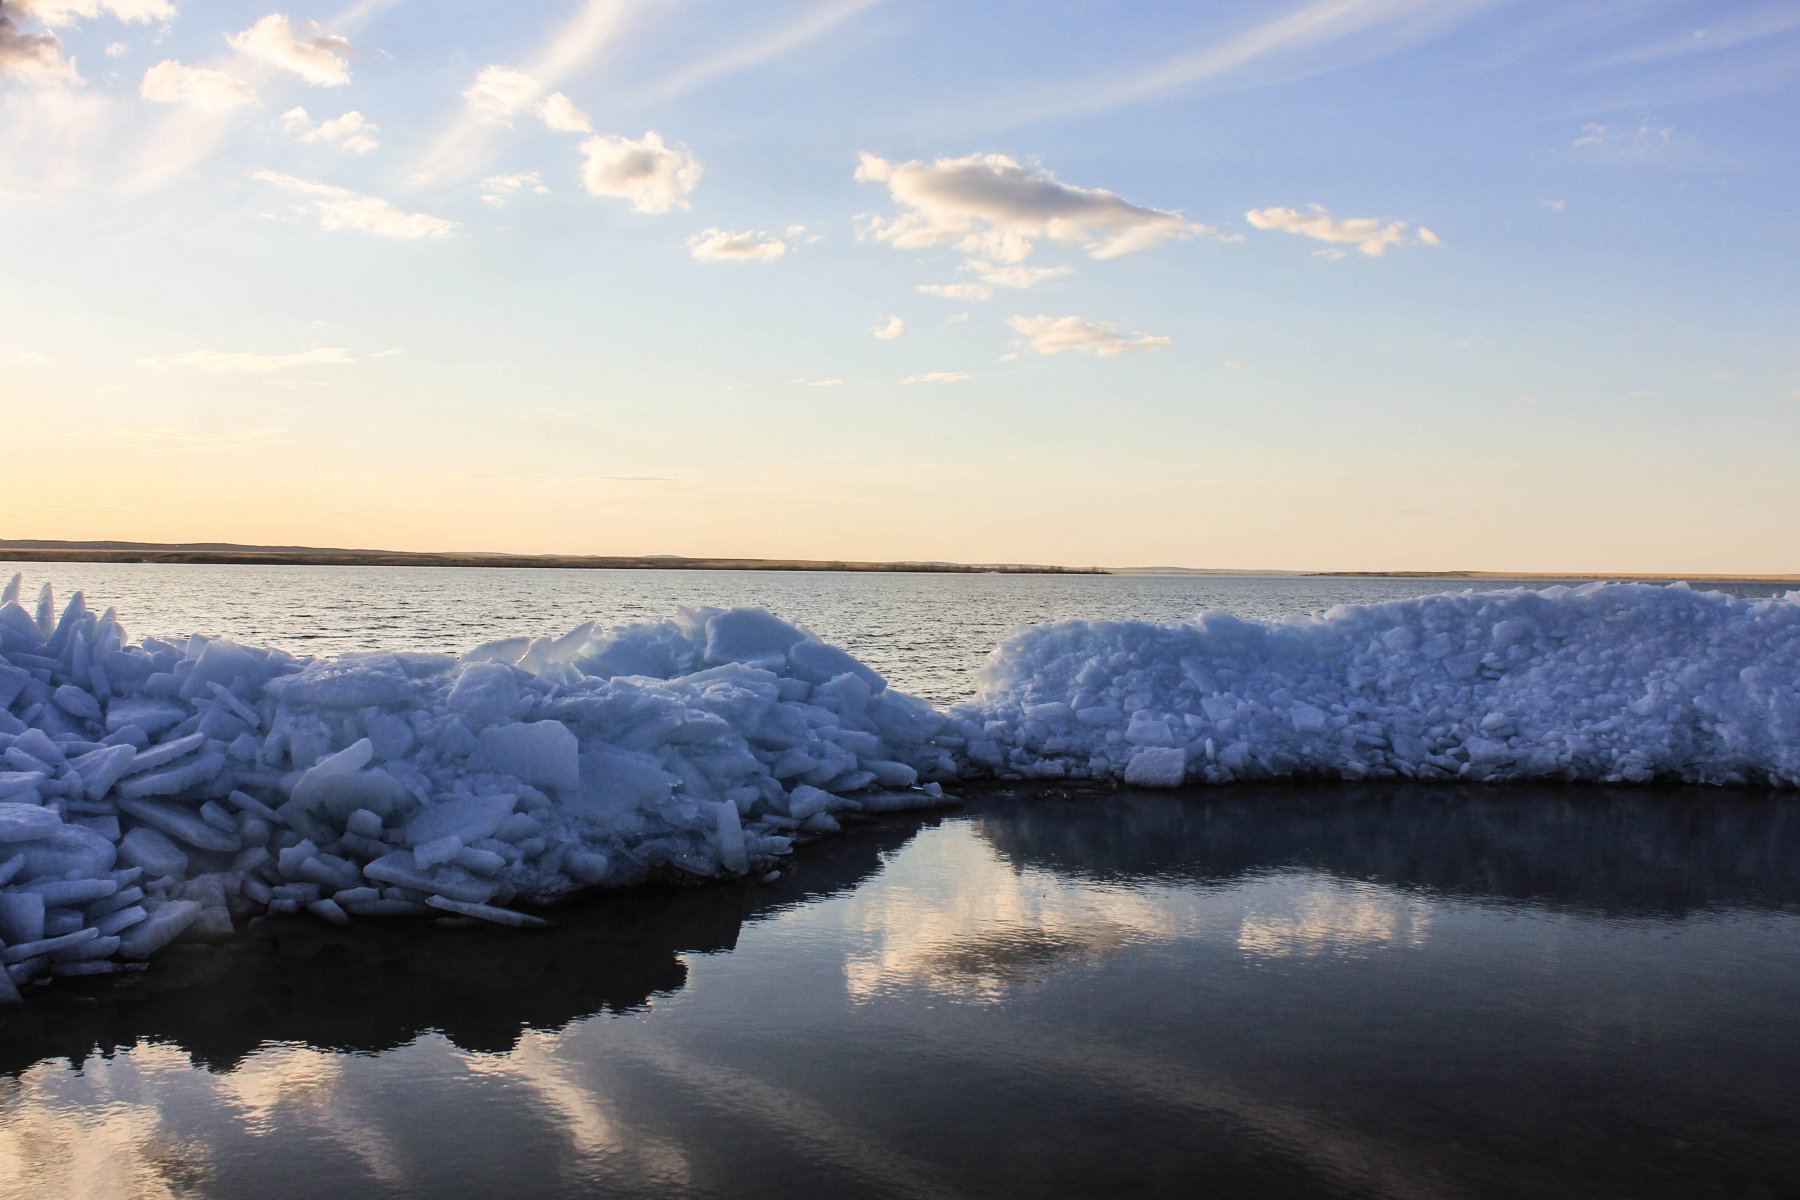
x,y
1256,991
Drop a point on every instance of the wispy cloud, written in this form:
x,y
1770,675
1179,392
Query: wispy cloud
x,y
340,208
1314,38
993,207
501,188
654,176
238,362
1063,335
937,377
1725,33
1371,235
755,52
500,92
724,245
895,327
1015,277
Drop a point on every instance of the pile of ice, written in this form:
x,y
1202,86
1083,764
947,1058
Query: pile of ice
x,y
172,789
177,789
1613,682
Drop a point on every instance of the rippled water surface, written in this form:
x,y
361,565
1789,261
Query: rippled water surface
x,y
1248,992
928,633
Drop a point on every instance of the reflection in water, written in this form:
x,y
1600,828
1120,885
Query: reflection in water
x,y
1275,991
1336,919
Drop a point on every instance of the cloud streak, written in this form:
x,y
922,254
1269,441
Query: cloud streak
x,y
724,245
219,362
1289,46
339,208
1371,235
1075,335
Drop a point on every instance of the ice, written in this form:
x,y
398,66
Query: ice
x,y
157,791
27,822
542,753
1607,682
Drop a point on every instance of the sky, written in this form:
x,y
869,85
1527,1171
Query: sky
x,y
1328,285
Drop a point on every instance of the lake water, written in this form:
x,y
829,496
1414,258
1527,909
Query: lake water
x,y
1251,991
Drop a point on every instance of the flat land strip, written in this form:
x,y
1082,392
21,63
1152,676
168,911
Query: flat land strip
x,y
25,550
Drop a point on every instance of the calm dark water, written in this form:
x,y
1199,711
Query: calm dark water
x,y
928,633
1245,992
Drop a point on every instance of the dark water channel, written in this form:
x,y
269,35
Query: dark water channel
x,y
1289,991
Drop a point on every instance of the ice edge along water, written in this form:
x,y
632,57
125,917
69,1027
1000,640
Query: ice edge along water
x,y
165,790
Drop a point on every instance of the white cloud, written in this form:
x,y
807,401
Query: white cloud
x,y
351,131
319,58
32,358
1058,335
559,113
340,208
724,245
1233,364
117,50
937,377
35,58
655,177
823,382
1015,277
498,94
220,362
170,82
66,12
1371,235
501,188
895,327
991,206
957,291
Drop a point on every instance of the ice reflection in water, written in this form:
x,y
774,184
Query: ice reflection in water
x,y
1280,991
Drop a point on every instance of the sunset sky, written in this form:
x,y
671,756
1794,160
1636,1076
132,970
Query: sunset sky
x,y
1348,284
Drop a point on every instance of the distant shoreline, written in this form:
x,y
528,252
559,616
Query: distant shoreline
x,y
229,554
224,554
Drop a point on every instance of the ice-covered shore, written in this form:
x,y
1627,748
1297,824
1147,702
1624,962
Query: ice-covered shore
x,y
160,790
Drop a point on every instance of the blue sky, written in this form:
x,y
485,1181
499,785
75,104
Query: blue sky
x,y
1350,284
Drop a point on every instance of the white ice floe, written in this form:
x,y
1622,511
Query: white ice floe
x,y
176,789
